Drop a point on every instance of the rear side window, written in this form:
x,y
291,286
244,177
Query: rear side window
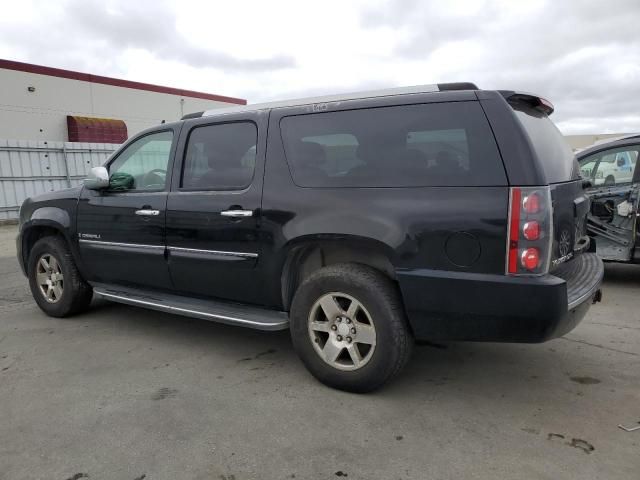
x,y
554,154
442,144
220,157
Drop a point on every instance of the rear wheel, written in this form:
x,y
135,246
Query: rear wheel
x,y
56,284
349,328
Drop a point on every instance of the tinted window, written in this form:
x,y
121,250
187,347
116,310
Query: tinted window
x,y
448,144
553,152
143,164
610,167
220,157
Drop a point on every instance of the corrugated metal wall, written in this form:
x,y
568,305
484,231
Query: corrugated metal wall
x,y
28,168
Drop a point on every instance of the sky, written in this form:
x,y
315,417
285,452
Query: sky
x,y
583,55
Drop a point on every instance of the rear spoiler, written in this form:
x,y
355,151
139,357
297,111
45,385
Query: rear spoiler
x,y
535,101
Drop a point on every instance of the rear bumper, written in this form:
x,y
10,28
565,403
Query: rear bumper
x,y
499,308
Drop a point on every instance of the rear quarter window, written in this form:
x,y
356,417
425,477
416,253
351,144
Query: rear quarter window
x,y
441,144
553,152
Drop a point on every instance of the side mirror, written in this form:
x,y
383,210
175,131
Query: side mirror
x,y
97,179
621,162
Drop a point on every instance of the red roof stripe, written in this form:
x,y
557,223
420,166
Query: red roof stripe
x,y
116,82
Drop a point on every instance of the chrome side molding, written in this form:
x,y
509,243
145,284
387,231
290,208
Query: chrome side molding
x,y
177,250
115,245
212,252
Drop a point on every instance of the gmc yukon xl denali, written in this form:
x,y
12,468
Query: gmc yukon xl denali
x,y
360,222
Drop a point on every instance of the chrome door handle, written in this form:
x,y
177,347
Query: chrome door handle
x,y
148,213
237,213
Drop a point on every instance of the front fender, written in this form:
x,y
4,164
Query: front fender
x,y
43,218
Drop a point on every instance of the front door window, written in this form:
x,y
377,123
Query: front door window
x,y
142,166
611,167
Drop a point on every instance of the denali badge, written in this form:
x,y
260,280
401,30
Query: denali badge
x,y
89,235
562,259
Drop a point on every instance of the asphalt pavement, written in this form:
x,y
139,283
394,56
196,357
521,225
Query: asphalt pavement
x,y
125,393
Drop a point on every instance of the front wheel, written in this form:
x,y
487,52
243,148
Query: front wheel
x,y
55,282
349,328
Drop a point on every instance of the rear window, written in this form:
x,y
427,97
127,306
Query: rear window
x,y
554,154
443,144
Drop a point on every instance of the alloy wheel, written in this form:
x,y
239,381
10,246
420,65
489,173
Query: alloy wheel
x,y
342,331
49,278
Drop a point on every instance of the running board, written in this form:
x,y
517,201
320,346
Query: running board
x,y
217,311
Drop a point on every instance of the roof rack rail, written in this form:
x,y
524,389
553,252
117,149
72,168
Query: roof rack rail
x,y
192,115
457,86
431,88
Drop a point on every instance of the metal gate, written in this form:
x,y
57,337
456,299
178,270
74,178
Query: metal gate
x,y
28,168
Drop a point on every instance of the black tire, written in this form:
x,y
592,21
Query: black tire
x,y
610,180
76,293
381,298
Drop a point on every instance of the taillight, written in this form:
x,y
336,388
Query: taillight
x,y
530,231
530,258
531,202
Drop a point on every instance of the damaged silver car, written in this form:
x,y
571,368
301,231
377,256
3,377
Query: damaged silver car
x,y
610,169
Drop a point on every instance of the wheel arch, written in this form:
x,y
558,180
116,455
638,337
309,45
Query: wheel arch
x,y
307,254
45,221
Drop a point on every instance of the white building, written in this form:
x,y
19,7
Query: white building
x,y
36,101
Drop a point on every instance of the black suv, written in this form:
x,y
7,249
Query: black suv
x,y
360,222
